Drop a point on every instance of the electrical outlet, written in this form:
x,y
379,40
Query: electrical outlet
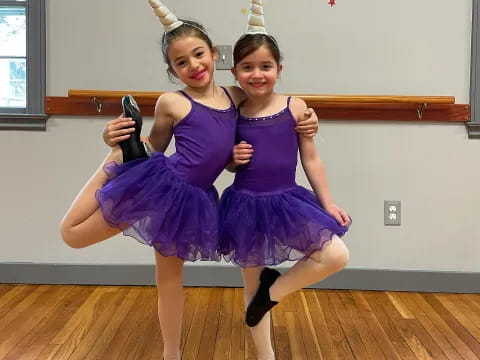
x,y
224,57
392,212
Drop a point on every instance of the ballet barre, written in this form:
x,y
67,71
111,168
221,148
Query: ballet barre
x,y
336,107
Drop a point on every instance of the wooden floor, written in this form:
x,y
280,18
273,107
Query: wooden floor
x,y
97,322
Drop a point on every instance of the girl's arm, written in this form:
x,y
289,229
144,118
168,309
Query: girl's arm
x,y
164,117
314,169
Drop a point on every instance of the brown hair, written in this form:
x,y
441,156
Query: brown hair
x,y
249,43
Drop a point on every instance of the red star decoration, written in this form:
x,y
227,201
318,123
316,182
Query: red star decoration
x,y
331,3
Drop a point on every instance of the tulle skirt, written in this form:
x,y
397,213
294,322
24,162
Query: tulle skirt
x,y
259,230
150,202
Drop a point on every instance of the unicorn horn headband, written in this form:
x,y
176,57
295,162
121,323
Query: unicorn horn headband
x,y
256,22
167,18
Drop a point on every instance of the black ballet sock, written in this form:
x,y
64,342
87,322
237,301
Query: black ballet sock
x,y
133,148
261,303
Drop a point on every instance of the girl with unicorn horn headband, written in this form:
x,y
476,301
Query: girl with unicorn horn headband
x,y
265,217
167,202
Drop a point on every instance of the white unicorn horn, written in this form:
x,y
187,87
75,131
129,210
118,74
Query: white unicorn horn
x,y
167,18
256,22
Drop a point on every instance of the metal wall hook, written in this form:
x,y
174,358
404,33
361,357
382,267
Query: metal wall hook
x,y
421,110
98,104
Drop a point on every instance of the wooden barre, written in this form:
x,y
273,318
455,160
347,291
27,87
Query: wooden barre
x,y
312,100
377,99
113,93
438,109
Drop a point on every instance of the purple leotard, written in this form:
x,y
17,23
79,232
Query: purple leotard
x,y
265,217
170,203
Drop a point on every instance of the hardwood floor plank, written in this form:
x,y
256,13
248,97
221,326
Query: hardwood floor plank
x,y
473,303
296,343
191,304
312,334
441,323
43,332
238,326
399,305
12,296
424,337
106,336
388,316
127,334
280,334
43,322
374,325
366,336
305,328
193,340
77,346
82,317
71,306
339,339
18,302
223,348
464,312
428,324
403,327
465,337
25,320
142,343
5,288
209,336
353,337
324,340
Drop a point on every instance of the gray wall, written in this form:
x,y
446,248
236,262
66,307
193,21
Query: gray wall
x,y
376,47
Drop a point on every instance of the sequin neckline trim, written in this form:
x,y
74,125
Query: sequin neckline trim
x,y
269,117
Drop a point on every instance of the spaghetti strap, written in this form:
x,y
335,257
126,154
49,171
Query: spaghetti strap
x,y
186,95
232,103
288,101
228,94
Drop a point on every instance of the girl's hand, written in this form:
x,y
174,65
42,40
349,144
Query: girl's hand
x,y
308,126
340,215
117,130
242,153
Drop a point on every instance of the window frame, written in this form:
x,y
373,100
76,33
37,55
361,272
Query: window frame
x,y
473,126
32,117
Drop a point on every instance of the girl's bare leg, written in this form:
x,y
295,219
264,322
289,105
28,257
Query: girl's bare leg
x,y
84,225
320,265
261,332
169,278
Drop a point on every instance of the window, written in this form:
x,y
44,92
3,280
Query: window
x,y
13,58
474,125
22,64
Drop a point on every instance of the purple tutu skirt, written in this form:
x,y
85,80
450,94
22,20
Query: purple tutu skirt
x,y
148,201
259,230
